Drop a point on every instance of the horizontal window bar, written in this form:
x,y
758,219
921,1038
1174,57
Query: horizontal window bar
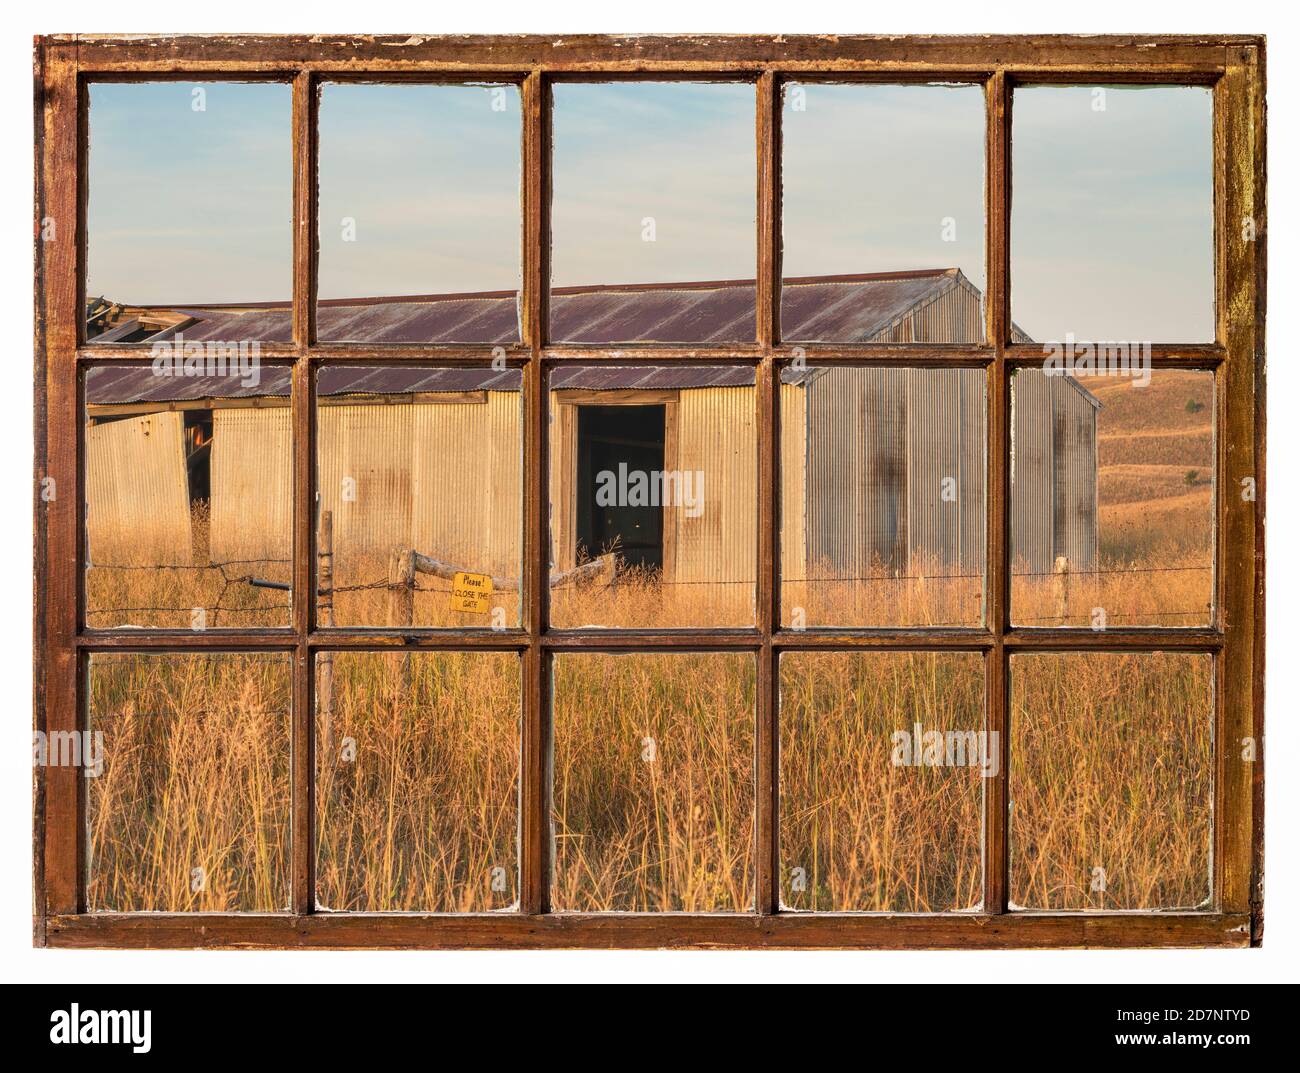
x,y
660,930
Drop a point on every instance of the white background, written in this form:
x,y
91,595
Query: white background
x,y
1277,961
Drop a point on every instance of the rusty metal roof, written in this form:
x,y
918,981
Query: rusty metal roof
x,y
819,306
849,307
121,384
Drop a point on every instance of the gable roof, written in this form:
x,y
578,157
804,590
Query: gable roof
x,y
845,307
841,308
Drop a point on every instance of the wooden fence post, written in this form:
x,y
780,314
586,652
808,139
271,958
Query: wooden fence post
x,y
1062,587
401,604
325,617
401,587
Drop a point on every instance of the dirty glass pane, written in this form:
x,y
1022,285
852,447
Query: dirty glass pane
x,y
653,776
420,518
187,806
1112,497
417,781
419,213
882,760
882,204
653,213
1112,213
1111,780
189,203
653,496
882,497
188,495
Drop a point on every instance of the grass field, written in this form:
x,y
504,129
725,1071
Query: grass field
x,y
652,782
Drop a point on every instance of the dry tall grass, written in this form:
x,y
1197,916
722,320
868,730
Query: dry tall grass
x,y
1112,769
191,811
653,772
864,832
1111,780
417,783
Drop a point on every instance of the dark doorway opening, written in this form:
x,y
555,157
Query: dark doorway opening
x,y
620,464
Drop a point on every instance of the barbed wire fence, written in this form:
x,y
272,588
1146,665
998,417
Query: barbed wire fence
x,y
235,574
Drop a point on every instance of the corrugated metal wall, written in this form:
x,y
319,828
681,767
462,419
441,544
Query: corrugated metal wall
x,y
794,498
857,466
1053,474
251,484
953,317
442,478
137,495
715,436
896,470
564,485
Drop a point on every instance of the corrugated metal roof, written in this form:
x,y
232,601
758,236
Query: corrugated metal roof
x,y
404,379
139,383
652,378
849,307
839,307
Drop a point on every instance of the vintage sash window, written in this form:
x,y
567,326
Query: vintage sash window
x,y
649,492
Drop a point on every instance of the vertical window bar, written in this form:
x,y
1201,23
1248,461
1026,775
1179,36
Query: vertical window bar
x,y
534,812
767,781
998,330
302,880
1239,131
62,193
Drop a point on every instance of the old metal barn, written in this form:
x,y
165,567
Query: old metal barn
x,y
880,467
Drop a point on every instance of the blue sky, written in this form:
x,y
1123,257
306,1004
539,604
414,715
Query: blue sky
x,y
682,155
872,174
185,205
1112,210
1112,214
431,175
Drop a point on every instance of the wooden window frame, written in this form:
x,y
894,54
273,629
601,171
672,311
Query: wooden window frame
x,y
1233,66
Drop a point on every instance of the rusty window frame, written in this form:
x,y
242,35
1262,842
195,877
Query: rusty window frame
x,y
1233,66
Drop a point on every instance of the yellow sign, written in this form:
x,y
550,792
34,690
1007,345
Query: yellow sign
x,y
470,592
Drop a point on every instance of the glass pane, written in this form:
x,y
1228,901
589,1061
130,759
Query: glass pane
x,y
653,213
189,493
1111,780
421,486
419,214
1112,498
653,496
188,806
190,202
417,781
1112,213
653,781
882,497
882,756
882,246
